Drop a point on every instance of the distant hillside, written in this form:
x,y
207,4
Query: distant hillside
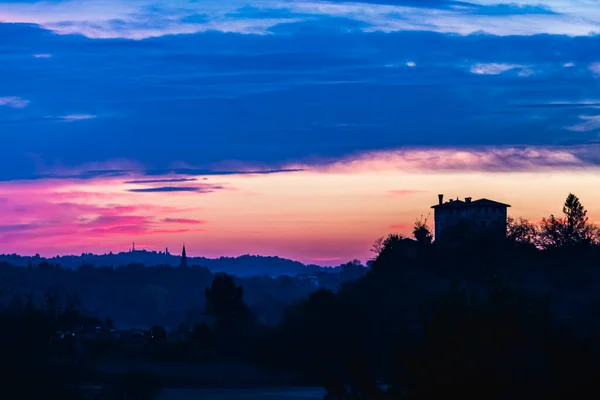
x,y
243,266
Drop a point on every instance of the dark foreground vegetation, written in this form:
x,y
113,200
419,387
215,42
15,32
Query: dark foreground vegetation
x,y
137,295
471,317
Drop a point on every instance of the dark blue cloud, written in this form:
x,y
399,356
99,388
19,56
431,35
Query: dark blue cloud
x,y
166,189
118,173
171,180
316,89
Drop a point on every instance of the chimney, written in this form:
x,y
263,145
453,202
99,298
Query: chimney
x,y
441,198
467,199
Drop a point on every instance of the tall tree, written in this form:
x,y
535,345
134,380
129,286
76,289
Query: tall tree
x,y
224,298
234,322
577,228
570,230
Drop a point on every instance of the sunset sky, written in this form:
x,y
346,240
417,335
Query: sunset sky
x,y
303,129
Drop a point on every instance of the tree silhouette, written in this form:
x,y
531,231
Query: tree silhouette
x,y
393,255
521,231
234,323
224,298
421,231
571,230
377,246
202,335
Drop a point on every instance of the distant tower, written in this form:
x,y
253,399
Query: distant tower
x,y
167,251
133,247
183,258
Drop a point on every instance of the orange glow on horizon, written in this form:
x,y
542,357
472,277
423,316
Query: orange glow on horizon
x,y
325,216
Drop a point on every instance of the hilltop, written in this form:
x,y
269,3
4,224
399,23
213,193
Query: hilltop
x,y
242,266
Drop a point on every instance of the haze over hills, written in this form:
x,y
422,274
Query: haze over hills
x,y
243,266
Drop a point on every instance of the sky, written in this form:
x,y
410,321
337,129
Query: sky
x,y
303,129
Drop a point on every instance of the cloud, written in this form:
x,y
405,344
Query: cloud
x,y
40,216
401,227
132,169
13,102
52,221
411,64
42,55
168,180
142,19
568,65
525,72
595,68
303,94
47,119
591,123
564,104
169,189
502,159
494,68
17,228
76,117
183,221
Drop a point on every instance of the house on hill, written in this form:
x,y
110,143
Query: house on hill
x,y
486,215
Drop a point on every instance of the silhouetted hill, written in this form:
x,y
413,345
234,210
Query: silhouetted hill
x,y
243,266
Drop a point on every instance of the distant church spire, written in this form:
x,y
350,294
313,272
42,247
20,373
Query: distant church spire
x,y
183,258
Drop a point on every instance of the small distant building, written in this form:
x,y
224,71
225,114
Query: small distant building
x,y
486,215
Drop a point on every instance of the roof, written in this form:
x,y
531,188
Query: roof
x,y
474,203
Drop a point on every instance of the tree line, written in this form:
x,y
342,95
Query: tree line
x,y
509,319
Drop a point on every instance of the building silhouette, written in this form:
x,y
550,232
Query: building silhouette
x,y
483,215
183,263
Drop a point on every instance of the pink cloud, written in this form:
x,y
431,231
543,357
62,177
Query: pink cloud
x,y
47,214
401,227
484,159
82,195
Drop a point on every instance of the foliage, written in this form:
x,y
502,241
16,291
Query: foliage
x,y
520,231
225,299
395,254
422,232
571,230
428,319
474,338
202,335
377,246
